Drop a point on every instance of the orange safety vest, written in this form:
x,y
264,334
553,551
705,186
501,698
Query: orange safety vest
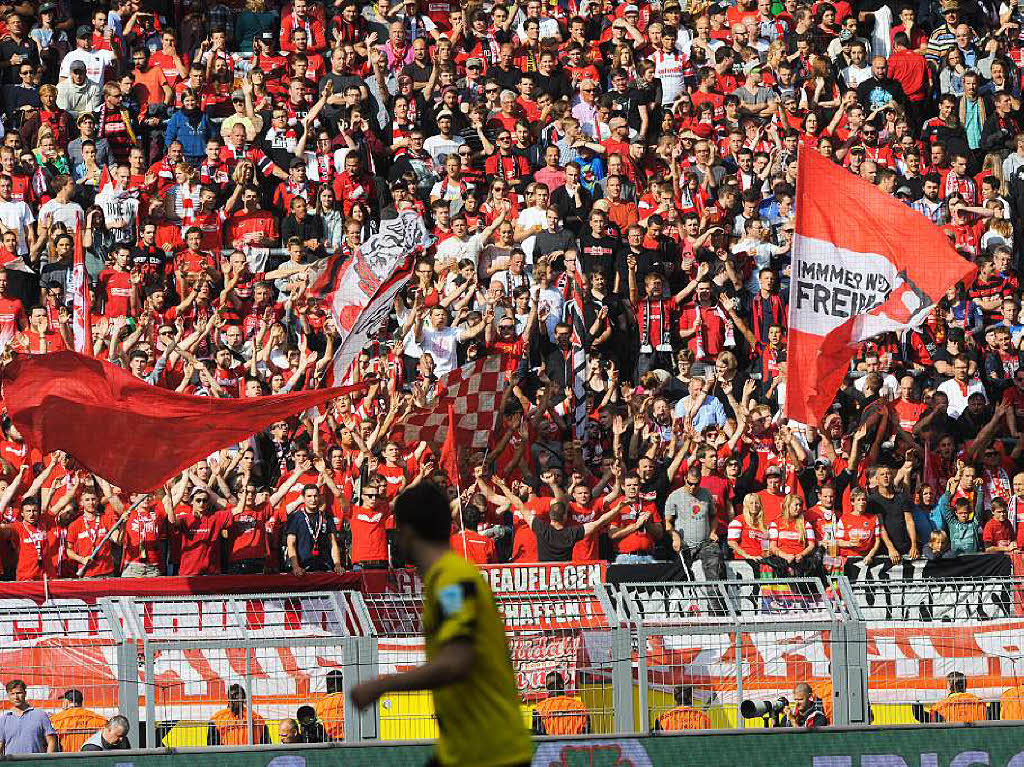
x,y
562,715
74,726
684,718
330,711
961,707
1012,704
231,728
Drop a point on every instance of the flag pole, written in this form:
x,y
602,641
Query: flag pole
x,y
113,528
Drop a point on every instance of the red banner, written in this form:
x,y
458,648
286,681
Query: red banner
x,y
534,657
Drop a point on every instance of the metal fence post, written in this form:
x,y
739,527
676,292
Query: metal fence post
x,y
128,686
854,670
250,694
622,681
642,677
367,664
147,650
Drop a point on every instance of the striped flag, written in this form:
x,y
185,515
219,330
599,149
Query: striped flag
x,y
359,292
81,312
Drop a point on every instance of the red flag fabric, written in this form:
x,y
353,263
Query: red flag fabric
x,y
448,458
81,310
132,434
863,264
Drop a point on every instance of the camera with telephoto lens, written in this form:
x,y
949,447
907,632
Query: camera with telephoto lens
x,y
753,709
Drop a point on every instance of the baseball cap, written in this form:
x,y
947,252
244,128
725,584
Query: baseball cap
x,y
750,66
824,463
776,470
475,61
630,9
237,96
445,113
84,31
267,37
615,122
47,8
77,66
904,191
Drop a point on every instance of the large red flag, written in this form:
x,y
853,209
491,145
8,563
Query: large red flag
x,y
449,455
863,264
81,309
132,434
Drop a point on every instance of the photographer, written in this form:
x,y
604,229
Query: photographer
x,y
806,710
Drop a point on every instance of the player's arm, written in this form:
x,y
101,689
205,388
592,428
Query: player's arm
x,y
451,665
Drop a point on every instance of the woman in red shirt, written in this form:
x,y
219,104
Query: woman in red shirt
x,y
790,538
748,535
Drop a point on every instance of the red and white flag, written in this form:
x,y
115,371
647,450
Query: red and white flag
x,y
474,393
863,264
359,293
81,309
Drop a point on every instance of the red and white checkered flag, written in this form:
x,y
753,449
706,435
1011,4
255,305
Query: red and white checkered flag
x,y
474,392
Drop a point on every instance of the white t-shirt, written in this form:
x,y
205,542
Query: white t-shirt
x,y
854,76
439,147
958,397
17,215
95,62
67,213
527,218
453,250
442,345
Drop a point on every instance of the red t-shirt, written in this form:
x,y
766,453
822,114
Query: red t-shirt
x,y
478,549
639,541
37,550
83,537
754,542
369,537
771,506
118,288
144,531
786,536
862,529
248,533
200,541
587,549
997,533
12,314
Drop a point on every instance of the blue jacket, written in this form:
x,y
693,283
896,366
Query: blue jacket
x,y
964,537
192,138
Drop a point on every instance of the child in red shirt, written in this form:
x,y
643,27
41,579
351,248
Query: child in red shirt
x,y
998,532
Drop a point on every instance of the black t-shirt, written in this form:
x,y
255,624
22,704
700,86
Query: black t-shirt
x,y
892,511
598,253
555,545
313,533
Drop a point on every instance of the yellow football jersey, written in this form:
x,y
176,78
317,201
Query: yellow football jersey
x,y
479,718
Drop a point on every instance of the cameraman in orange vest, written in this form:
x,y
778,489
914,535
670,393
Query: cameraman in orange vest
x,y
560,714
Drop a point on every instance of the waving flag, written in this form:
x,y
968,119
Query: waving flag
x,y
473,392
863,264
359,292
132,434
81,310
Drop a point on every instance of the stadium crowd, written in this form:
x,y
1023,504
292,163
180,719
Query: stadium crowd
x,y
611,179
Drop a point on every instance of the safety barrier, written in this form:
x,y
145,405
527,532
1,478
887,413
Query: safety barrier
x,y
875,651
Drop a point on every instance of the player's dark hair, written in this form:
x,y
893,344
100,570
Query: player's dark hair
x,y
424,509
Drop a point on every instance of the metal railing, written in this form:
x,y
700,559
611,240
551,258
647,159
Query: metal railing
x,y
876,652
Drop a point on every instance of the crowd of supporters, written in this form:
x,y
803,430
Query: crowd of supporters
x,y
612,183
